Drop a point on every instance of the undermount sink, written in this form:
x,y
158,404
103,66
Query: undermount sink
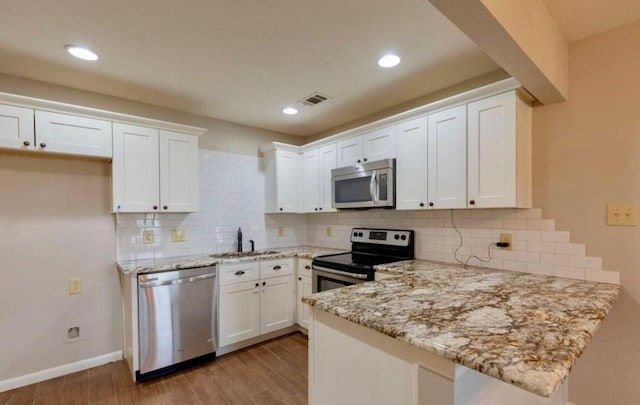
x,y
243,254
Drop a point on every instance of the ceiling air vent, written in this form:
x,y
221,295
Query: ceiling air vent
x,y
314,99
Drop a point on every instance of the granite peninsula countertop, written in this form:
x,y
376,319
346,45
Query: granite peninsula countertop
x,y
525,329
185,262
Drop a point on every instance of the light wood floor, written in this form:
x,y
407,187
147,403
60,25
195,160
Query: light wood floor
x,y
273,372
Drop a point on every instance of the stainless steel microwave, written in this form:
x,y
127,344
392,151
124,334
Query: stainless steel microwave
x,y
366,185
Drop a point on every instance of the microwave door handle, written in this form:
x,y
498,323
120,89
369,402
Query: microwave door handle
x,y
373,186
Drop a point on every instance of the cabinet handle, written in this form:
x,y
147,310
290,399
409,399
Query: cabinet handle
x,y
307,267
166,207
365,159
299,278
155,207
239,273
277,267
43,145
430,204
422,204
26,143
472,202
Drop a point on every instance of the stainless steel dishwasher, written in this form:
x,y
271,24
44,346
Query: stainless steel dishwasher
x,y
176,320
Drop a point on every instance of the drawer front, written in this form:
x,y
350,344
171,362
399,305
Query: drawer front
x,y
275,268
304,267
238,272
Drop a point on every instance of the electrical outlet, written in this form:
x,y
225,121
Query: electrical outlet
x,y
73,332
75,286
280,231
329,231
622,214
178,235
507,238
147,237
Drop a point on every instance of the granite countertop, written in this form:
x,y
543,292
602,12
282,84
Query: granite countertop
x,y
527,330
185,262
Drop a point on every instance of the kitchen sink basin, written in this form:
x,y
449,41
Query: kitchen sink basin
x,y
243,254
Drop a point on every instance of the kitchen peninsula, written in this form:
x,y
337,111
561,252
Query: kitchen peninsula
x,y
441,334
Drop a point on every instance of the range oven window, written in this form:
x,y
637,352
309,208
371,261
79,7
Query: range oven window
x,y
326,284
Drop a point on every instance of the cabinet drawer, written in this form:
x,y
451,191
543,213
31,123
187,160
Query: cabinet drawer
x,y
304,267
275,268
237,273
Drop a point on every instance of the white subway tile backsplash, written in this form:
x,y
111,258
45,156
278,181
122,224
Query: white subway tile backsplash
x,y
593,263
541,247
538,268
515,224
574,249
528,257
602,276
569,272
527,235
555,236
560,260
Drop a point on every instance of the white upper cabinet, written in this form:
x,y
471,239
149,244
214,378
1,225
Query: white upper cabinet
x,y
374,145
16,127
63,133
411,165
154,171
447,158
316,178
43,131
379,144
178,172
281,182
350,151
499,152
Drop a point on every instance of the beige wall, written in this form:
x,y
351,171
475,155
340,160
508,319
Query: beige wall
x,y
55,221
586,155
221,135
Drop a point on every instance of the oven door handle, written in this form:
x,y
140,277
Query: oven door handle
x,y
373,185
341,273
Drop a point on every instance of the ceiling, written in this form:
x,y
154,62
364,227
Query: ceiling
x,y
243,61
579,19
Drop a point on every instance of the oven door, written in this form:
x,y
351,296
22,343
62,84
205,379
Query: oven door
x,y
325,279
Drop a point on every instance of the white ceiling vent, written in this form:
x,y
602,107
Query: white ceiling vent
x,y
314,99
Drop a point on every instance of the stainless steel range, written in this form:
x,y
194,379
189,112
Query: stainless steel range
x,y
369,247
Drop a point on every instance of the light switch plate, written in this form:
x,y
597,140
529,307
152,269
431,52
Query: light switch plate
x,y
147,237
178,235
329,231
280,231
622,214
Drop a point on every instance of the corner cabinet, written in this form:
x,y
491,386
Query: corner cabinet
x,y
281,180
154,170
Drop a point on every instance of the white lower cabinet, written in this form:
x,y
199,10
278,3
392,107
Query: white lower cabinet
x,y
304,288
255,298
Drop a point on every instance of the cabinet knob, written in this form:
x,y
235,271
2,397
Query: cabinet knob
x,y
315,209
277,267
257,284
299,278
472,202
165,207
365,159
307,267
280,209
358,160
422,204
26,143
43,145
320,209
264,283
155,207
430,204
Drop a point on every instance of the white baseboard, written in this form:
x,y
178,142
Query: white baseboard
x,y
54,372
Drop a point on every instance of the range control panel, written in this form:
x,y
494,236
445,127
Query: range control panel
x,y
391,237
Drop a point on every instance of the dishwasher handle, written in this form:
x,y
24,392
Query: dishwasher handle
x,y
150,284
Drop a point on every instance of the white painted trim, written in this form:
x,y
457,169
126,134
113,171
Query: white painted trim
x,y
488,90
54,372
64,108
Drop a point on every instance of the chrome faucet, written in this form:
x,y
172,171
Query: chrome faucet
x,y
253,245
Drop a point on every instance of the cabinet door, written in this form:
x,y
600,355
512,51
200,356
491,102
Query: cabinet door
x,y
304,289
350,151
64,133
379,144
328,162
178,172
492,151
16,127
239,311
135,169
447,158
411,165
310,198
276,303
287,181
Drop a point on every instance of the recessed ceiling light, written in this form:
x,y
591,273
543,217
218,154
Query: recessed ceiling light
x,y
81,53
290,111
389,61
